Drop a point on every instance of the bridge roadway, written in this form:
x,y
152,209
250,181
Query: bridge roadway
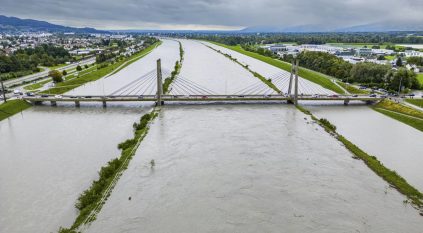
x,y
53,99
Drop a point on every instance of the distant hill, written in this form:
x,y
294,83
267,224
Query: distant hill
x,y
13,24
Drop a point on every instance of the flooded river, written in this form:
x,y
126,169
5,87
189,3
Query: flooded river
x,y
397,145
50,155
249,168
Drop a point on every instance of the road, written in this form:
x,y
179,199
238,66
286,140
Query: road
x,y
38,75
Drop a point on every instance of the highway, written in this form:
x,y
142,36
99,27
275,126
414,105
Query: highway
x,y
38,75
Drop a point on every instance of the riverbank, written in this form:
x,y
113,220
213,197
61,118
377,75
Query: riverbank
x,y
11,107
91,200
404,114
309,75
390,176
14,107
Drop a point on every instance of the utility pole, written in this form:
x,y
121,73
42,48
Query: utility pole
x,y
399,88
159,83
296,83
2,89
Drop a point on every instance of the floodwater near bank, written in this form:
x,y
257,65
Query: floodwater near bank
x,y
249,168
397,145
50,155
215,72
269,71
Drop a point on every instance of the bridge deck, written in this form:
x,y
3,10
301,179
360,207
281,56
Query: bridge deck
x,y
191,98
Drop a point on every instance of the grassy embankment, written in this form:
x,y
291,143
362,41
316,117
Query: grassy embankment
x,y
351,89
416,102
268,82
420,78
176,70
68,85
404,114
312,76
12,107
390,176
92,200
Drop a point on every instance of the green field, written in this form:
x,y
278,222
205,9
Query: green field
x,y
413,122
417,102
420,78
12,107
310,75
37,85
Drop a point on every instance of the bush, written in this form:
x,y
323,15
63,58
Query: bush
x,y
327,124
64,72
78,68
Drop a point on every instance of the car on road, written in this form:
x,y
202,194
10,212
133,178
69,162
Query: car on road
x,y
241,96
373,95
88,97
58,97
355,95
30,94
383,96
333,96
17,92
140,97
204,97
44,96
316,96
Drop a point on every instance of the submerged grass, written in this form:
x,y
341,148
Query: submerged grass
x,y
312,76
91,200
390,176
11,107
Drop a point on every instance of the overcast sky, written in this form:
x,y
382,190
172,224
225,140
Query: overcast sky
x,y
212,14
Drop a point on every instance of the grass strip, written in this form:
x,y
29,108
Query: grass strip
x,y
396,107
413,122
37,85
390,176
312,76
416,102
268,82
11,107
351,89
91,200
176,70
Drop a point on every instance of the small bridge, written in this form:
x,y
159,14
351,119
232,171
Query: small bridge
x,y
149,87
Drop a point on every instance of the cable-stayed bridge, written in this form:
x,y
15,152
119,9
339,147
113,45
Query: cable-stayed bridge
x,y
149,87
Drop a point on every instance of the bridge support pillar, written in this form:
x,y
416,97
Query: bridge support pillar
x,y
346,102
104,104
77,104
159,84
53,103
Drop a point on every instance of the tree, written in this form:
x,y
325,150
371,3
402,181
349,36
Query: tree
x,y
78,68
86,66
405,77
64,72
56,76
399,62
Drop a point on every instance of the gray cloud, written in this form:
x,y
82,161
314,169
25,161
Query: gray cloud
x,y
213,13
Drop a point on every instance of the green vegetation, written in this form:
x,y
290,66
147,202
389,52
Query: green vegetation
x,y
37,85
91,200
268,82
12,107
102,70
26,61
351,89
420,78
312,76
373,163
413,122
175,71
417,102
395,107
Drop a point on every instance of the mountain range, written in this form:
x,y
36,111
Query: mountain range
x,y
13,24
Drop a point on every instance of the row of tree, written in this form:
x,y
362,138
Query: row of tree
x,y
31,58
363,72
